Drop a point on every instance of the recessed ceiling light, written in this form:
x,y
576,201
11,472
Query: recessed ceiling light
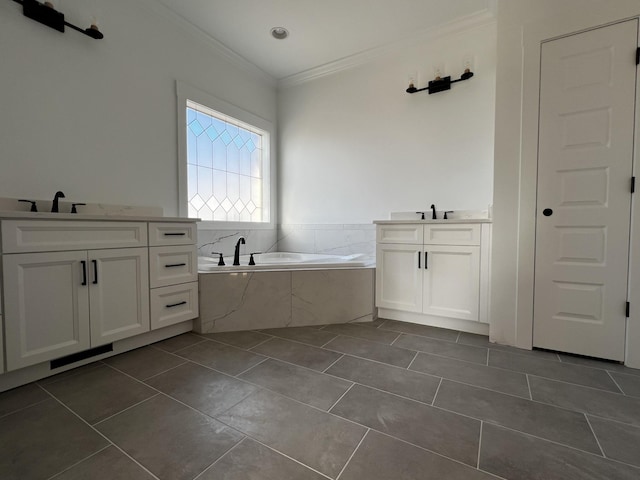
x,y
279,33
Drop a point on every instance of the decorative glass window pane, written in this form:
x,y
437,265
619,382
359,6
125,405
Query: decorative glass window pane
x,y
226,167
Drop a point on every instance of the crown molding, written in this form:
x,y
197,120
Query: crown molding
x,y
481,18
211,42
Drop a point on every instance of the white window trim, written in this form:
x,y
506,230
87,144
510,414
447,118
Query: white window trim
x,y
187,92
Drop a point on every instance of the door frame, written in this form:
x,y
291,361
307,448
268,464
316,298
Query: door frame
x,y
533,37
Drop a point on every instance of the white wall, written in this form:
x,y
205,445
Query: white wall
x,y
522,25
354,146
97,118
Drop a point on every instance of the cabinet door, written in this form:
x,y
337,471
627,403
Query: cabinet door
x,y
118,293
452,281
46,307
399,277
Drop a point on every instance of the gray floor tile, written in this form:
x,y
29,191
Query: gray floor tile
x,y
444,348
170,440
292,352
580,375
252,461
423,330
69,373
483,341
178,343
221,357
310,335
596,363
302,384
399,357
618,441
373,323
43,440
479,375
381,457
630,384
245,339
514,455
553,423
442,432
201,388
406,383
21,397
317,439
99,393
588,400
144,362
109,464
366,333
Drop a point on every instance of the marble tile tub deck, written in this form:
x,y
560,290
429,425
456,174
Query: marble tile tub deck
x,y
375,401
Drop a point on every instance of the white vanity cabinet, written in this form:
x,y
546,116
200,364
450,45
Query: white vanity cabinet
x,y
59,302
432,273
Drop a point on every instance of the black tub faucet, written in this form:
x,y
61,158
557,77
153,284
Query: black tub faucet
x,y
236,254
433,215
54,207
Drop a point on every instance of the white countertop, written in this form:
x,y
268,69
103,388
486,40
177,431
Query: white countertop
x,y
91,217
428,221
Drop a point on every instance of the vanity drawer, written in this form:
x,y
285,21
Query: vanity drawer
x,y
452,234
408,234
172,265
174,304
21,236
171,233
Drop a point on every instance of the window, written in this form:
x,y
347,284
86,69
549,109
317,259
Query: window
x,y
226,168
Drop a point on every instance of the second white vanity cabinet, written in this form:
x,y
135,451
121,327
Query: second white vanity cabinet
x,y
432,272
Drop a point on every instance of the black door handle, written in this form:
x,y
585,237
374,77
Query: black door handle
x,y
95,271
171,265
547,212
175,304
84,272
426,265
419,255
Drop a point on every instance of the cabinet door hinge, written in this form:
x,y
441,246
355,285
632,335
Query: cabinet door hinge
x,y
628,310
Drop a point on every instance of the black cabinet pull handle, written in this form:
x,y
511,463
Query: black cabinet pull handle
x,y
426,265
176,304
175,234
95,271
419,255
84,272
171,265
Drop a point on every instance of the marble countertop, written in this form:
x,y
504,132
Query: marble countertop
x,y
428,221
12,215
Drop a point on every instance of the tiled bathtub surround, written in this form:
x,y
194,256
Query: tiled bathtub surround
x,y
336,239
257,300
375,401
224,241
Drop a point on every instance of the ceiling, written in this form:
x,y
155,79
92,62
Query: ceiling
x,y
321,31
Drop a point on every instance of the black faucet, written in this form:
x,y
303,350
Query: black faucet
x,y
236,254
433,215
54,207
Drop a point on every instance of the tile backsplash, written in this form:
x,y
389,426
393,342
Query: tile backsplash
x,y
331,239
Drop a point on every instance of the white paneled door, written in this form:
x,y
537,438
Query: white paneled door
x,y
587,111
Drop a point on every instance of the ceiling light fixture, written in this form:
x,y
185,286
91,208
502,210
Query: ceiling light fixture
x,y
279,33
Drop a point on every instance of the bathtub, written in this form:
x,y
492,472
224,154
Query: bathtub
x,y
284,290
286,261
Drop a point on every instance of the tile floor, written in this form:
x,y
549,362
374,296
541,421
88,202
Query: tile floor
x,y
383,400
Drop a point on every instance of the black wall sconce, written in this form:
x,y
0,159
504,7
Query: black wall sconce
x,y
440,84
49,16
